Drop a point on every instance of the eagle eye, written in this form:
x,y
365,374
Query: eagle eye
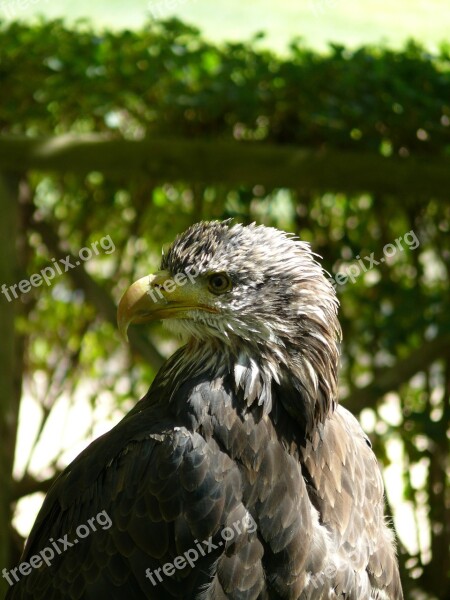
x,y
219,283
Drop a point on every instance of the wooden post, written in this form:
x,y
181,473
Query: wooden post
x,y
9,211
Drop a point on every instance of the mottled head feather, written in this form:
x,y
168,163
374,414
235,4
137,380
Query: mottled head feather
x,y
278,325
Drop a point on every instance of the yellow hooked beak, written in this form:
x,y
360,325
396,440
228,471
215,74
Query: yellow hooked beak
x,y
160,296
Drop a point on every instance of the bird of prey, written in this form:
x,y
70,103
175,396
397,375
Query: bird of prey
x,y
238,476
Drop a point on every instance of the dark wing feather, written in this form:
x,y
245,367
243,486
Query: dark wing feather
x,y
162,487
348,493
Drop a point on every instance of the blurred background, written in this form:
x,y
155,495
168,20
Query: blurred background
x,y
122,124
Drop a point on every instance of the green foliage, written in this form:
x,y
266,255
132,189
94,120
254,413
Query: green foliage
x,y
166,80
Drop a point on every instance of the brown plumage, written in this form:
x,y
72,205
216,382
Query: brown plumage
x,y
238,451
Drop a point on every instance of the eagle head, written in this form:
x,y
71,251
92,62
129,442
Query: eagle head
x,y
251,298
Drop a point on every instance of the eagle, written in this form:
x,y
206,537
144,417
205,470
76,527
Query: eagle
x,y
238,475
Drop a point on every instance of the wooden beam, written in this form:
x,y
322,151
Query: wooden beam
x,y
232,163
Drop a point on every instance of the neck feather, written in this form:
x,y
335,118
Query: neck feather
x,y
302,378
